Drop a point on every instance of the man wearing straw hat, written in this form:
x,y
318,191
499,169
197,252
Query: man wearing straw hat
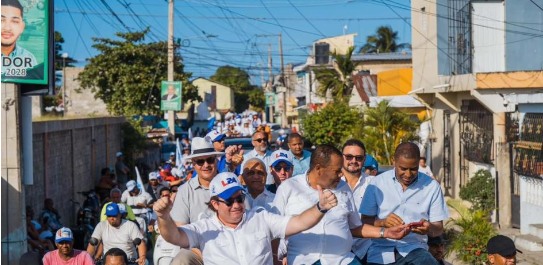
x,y
190,204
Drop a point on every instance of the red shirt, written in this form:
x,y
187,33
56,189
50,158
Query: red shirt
x,y
80,258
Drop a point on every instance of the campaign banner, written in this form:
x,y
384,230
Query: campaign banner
x,y
25,41
171,95
270,98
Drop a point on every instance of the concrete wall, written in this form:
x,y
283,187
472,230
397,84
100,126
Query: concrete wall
x,y
81,102
339,44
225,95
68,157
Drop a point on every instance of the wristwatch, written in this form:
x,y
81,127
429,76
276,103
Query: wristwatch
x,y
321,210
382,234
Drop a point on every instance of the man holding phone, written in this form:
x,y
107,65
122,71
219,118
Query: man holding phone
x,y
403,196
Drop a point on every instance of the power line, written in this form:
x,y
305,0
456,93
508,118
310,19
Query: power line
x,y
536,5
288,34
78,30
114,14
302,14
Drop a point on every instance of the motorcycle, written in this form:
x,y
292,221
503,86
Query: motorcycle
x,y
93,241
88,215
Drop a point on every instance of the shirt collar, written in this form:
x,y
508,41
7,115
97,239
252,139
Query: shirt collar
x,y
363,176
195,184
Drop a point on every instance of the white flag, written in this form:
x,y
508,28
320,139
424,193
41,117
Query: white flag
x,y
138,180
178,155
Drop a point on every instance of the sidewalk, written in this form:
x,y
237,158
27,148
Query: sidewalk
x,y
527,257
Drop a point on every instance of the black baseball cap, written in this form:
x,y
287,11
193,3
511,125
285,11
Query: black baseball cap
x,y
436,240
501,245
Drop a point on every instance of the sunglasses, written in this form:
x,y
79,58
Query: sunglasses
x,y
200,162
173,191
278,168
239,199
259,140
358,158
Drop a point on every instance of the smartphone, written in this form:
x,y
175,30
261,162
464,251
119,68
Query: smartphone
x,y
416,224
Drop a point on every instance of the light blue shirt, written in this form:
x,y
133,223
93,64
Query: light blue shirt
x,y
301,165
267,160
19,52
422,199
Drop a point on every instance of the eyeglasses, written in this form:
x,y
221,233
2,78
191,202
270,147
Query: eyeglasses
x,y
358,158
209,160
239,199
278,168
259,140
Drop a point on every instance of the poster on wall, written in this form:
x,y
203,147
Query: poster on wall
x,y
25,41
170,95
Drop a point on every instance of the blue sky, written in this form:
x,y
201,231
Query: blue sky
x,y
235,24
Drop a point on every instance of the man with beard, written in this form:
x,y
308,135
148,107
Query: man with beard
x,y
300,156
330,241
66,254
404,196
436,247
260,151
13,26
354,154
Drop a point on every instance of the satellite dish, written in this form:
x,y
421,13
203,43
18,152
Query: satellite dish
x,y
344,29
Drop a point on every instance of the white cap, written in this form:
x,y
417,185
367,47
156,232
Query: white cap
x,y
130,185
153,175
64,234
119,154
122,208
281,156
224,185
215,135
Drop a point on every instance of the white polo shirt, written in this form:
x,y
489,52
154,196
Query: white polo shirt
x,y
264,200
360,245
247,244
329,241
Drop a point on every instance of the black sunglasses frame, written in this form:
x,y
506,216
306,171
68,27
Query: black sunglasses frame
x,y
239,199
200,162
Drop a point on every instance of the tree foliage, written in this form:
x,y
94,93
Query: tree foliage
x,y
337,81
59,40
332,124
385,128
127,74
384,40
480,191
245,94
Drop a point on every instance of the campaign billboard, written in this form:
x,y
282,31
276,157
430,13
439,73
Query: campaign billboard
x,y
25,41
170,95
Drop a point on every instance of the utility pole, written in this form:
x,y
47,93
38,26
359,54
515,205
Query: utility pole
x,y
270,82
64,105
171,113
284,121
270,78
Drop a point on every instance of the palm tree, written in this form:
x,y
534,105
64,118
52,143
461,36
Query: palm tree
x,y
338,80
386,127
383,41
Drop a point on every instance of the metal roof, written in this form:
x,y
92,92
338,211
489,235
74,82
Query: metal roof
x,y
392,56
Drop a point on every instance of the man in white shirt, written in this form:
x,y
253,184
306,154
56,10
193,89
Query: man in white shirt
x,y
260,143
330,241
232,235
138,199
399,196
354,154
254,176
423,168
118,233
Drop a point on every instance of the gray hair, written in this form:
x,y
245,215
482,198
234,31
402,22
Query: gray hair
x,y
115,190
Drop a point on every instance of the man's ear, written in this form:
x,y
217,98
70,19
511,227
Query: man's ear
x,y
215,204
491,258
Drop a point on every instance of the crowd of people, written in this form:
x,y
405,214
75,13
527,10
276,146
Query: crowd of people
x,y
284,206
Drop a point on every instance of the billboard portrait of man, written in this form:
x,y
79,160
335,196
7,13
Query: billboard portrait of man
x,y
171,93
13,55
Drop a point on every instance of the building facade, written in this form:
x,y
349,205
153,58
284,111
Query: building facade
x,y
478,66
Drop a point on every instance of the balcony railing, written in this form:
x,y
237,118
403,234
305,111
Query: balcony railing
x,y
529,149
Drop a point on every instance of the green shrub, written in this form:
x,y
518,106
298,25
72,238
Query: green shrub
x,y
470,243
480,191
